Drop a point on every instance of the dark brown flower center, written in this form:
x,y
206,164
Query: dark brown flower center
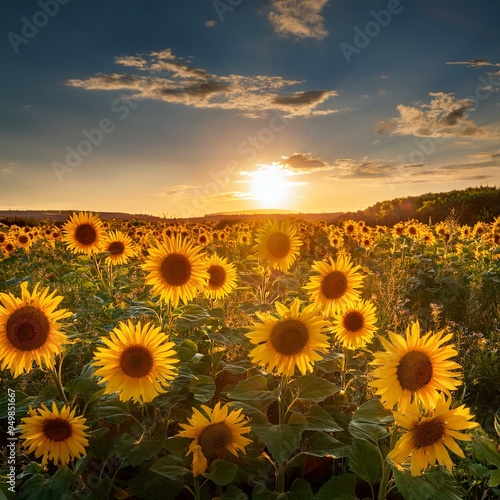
x,y
334,285
27,328
217,276
289,337
176,269
414,370
85,234
412,230
353,321
278,245
57,429
214,439
2,237
116,248
136,361
23,239
429,432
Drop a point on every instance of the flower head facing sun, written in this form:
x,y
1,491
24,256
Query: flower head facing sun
x,y
29,329
176,270
293,340
355,325
414,367
84,233
137,362
278,244
222,277
214,434
56,435
430,433
119,246
336,286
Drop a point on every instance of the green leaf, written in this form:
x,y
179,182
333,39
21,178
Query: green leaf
x,y
485,451
480,471
192,315
221,472
171,467
186,350
373,411
494,479
430,486
33,489
300,490
137,451
261,492
364,460
114,414
281,440
253,389
234,493
177,445
202,387
318,419
366,431
341,487
320,444
313,388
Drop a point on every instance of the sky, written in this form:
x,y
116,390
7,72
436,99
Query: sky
x,y
182,109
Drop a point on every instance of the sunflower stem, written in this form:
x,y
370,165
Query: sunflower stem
x,y
57,375
196,488
386,468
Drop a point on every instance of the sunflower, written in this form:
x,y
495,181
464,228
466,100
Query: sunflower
x,y
355,325
136,363
58,435
214,434
430,433
336,286
84,233
176,270
293,340
222,277
29,329
278,244
414,367
119,246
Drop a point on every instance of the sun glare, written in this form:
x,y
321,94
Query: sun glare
x,y
270,187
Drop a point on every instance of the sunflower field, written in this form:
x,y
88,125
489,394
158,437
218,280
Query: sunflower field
x,y
282,359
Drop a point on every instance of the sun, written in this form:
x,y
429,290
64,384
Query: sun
x,y
270,187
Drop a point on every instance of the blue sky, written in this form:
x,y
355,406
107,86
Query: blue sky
x,y
195,107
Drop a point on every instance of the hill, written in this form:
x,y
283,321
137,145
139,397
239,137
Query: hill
x,y
469,205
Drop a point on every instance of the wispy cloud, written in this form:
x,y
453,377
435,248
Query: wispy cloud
x,y
9,169
164,77
299,18
475,63
443,116
174,191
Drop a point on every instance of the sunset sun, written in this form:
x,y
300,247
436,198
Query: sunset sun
x,y
270,187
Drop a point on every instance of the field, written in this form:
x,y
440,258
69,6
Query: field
x,y
250,359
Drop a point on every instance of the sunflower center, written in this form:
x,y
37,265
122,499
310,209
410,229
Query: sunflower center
x,y
278,245
176,269
353,321
23,239
429,432
116,248
57,429
414,370
136,361
85,234
289,337
214,439
27,328
334,285
217,276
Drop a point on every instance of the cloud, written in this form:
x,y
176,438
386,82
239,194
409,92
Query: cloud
x,y
163,77
303,163
9,169
173,191
443,116
299,18
475,63
481,166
